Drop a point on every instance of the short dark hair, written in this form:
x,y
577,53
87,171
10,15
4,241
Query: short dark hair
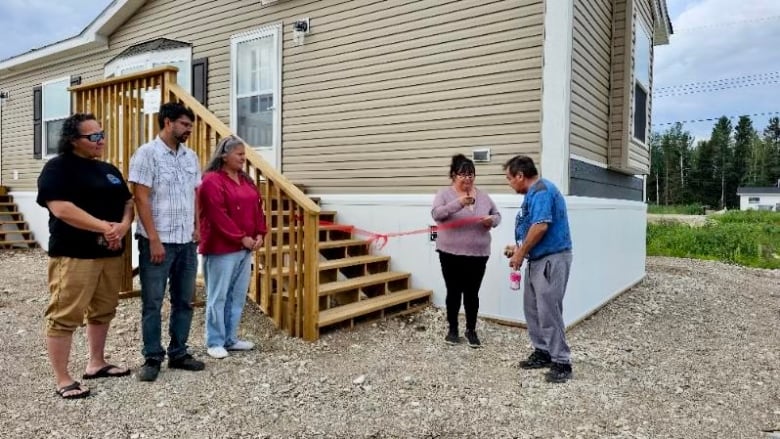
x,y
70,131
173,111
461,164
521,164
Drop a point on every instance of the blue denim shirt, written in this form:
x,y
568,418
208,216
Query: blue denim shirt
x,y
544,203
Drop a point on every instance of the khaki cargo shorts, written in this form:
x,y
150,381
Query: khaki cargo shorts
x,y
82,290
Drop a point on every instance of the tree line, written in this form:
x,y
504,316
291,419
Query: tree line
x,y
709,172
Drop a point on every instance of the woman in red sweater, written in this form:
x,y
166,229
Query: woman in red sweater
x,y
232,226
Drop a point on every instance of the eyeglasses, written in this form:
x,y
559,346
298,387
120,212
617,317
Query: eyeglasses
x,y
94,137
465,176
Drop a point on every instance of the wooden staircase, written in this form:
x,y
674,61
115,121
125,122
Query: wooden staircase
x,y
14,231
354,285
312,273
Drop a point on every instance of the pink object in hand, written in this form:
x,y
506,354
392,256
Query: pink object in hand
x,y
514,280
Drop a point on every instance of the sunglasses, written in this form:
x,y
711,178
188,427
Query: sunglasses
x,y
94,137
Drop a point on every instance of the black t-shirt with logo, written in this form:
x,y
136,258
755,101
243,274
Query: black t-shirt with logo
x,y
96,187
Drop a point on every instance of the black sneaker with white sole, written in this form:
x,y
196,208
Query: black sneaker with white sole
x,y
452,337
471,337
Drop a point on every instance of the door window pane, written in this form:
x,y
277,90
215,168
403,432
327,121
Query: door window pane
x,y
56,99
53,129
255,120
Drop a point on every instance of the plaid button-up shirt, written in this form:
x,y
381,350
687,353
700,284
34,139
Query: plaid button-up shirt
x,y
173,177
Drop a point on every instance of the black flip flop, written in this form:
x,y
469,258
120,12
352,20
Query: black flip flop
x,y
104,373
73,386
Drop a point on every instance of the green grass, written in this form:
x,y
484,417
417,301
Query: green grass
x,y
682,209
748,238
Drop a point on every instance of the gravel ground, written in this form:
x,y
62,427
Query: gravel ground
x,y
691,352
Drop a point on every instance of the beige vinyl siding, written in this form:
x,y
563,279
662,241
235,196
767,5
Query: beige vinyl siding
x,y
638,154
17,139
626,154
621,78
591,61
378,98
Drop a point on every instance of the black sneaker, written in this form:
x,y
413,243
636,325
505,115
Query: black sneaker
x,y
452,337
559,373
149,370
473,340
538,359
186,362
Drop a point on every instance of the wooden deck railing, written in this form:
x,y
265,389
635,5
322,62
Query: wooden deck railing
x,y
285,272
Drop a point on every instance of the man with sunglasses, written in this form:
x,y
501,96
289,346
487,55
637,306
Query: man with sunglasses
x,y
165,174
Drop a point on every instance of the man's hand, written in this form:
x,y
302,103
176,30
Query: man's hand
x,y
157,251
258,243
516,261
248,243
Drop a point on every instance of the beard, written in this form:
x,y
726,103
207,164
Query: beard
x,y
181,137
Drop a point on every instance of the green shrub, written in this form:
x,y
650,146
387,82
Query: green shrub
x,y
745,238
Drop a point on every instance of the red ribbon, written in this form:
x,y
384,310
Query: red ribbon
x,y
381,238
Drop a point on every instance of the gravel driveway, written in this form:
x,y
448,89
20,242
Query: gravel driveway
x,y
692,352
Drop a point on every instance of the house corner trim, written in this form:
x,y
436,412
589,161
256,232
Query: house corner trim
x,y
556,92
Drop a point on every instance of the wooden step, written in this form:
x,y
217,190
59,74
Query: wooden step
x,y
327,244
21,232
14,242
287,229
345,312
7,204
10,221
359,282
335,264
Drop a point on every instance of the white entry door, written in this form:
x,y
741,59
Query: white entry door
x,y
256,91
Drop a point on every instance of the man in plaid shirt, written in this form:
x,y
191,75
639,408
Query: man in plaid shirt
x,y
165,175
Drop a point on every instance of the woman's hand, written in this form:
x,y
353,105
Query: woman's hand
x,y
466,200
258,243
248,243
487,221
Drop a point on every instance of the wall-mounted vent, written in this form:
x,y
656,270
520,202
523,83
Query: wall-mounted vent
x,y
480,155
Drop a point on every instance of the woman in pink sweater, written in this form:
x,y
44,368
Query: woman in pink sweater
x,y
232,226
463,248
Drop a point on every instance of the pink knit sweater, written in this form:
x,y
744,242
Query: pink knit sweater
x,y
470,239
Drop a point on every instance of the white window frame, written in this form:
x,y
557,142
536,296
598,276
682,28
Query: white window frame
x,y
45,154
273,30
147,60
639,27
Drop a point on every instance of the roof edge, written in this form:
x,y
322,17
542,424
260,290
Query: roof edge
x,y
663,23
94,35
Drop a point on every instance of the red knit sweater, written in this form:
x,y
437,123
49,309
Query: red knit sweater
x,y
228,212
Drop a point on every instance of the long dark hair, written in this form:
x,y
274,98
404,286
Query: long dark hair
x,y
461,165
70,131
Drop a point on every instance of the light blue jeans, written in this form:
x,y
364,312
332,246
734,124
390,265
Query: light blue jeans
x,y
227,282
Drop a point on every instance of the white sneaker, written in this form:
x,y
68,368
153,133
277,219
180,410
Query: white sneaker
x,y
241,345
217,352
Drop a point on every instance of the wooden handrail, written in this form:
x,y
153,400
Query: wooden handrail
x,y
125,78
252,156
286,271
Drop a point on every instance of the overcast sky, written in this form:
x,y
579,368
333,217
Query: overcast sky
x,y
714,40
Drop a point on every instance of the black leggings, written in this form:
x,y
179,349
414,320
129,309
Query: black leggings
x,y
462,276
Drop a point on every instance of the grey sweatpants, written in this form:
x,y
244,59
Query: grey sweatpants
x,y
545,285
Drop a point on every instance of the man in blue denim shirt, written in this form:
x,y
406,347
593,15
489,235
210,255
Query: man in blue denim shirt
x,y
542,236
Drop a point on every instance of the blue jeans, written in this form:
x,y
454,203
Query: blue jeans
x,y
227,281
181,267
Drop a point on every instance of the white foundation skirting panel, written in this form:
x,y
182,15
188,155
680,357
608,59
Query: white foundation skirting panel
x,y
608,238
608,235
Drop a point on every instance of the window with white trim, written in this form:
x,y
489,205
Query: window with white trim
x,y
55,109
642,67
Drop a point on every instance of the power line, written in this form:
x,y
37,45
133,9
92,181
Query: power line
x,y
727,23
711,89
713,119
721,81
